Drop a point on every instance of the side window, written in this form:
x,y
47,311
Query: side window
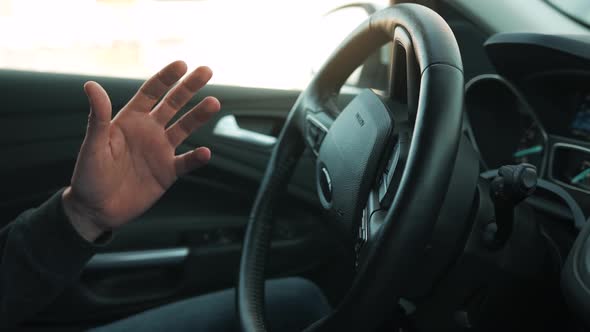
x,y
257,43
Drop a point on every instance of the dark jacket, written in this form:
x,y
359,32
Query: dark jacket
x,y
41,255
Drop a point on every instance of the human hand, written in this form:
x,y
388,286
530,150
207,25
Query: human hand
x,y
126,164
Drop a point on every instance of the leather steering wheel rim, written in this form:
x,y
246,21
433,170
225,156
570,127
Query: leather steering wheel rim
x,y
432,75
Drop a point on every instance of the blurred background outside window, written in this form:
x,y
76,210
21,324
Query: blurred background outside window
x,y
258,43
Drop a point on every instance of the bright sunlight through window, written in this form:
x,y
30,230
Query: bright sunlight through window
x,y
260,43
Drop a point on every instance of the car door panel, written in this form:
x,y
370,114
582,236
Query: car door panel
x,y
189,242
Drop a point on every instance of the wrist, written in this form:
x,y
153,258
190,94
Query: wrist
x,y
81,218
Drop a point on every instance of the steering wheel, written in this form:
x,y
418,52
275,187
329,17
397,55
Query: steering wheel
x,y
383,163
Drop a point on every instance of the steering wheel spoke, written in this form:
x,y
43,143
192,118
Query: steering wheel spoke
x,y
373,217
381,197
404,79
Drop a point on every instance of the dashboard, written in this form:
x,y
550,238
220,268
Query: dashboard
x,y
546,124
535,109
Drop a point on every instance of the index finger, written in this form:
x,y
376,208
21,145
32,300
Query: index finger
x,y
154,88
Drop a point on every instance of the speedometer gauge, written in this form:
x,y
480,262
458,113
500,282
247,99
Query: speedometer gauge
x,y
530,147
504,127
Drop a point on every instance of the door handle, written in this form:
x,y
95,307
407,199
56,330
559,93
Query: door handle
x,y
137,259
228,127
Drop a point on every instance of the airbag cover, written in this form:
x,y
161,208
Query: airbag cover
x,y
350,155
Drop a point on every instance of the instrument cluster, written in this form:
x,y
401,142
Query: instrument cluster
x,y
546,125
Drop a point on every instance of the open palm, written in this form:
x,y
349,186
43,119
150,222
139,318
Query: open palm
x,y
126,164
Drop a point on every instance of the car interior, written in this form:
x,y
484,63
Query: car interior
x,y
432,174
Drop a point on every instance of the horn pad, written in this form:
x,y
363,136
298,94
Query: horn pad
x,y
350,155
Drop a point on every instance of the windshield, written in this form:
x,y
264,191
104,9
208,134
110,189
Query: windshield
x,y
577,9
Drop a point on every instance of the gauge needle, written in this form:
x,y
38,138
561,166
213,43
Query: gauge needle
x,y
583,174
525,152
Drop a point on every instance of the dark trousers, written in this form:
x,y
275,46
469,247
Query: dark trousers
x,y
292,304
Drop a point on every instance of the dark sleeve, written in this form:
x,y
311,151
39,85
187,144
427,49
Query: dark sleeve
x,y
41,254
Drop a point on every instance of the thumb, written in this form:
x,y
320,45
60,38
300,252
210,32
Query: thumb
x,y
100,114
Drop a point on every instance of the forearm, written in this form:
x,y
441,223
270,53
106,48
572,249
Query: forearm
x,y
42,254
